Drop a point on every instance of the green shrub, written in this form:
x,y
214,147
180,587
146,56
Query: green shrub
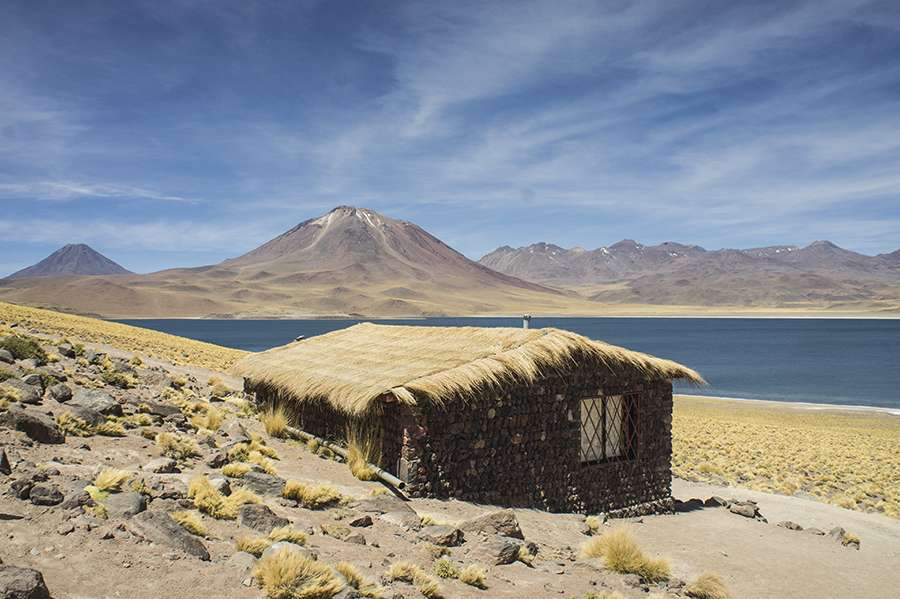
x,y
24,348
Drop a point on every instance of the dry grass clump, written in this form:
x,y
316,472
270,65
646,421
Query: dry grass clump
x,y
411,573
118,379
288,575
444,568
242,451
111,479
73,425
621,553
707,586
177,350
210,419
525,556
848,459
10,393
313,497
255,457
355,579
593,523
210,501
110,428
191,522
177,447
362,450
256,545
23,347
473,575
139,419
276,421
237,470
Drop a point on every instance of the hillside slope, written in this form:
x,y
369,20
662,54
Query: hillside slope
x,y
72,259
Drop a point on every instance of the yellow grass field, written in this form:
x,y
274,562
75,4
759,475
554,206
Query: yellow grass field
x,y
145,342
848,458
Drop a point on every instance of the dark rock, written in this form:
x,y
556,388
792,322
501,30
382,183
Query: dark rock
x,y
46,495
60,392
34,380
161,466
361,522
747,509
159,409
76,499
495,550
6,357
218,459
501,522
92,417
260,517
37,426
22,583
66,351
716,501
265,484
28,394
159,527
21,488
690,505
441,534
789,525
96,399
124,505
5,467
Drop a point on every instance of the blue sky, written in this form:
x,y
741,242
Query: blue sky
x,y
175,133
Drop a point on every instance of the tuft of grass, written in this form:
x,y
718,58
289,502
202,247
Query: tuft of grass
x,y
593,523
191,522
256,545
276,421
252,545
707,586
210,419
362,451
111,480
179,382
355,579
621,553
73,425
177,447
288,575
287,533
313,497
444,568
473,575
110,428
118,379
235,470
525,556
255,457
24,348
411,573
136,360
210,501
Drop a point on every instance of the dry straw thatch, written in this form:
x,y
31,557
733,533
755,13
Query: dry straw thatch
x,y
353,367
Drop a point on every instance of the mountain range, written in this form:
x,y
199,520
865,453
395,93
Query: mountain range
x,y
354,261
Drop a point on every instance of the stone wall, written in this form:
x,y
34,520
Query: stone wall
x,y
521,447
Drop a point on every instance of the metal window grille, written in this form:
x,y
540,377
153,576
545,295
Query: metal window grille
x,y
609,428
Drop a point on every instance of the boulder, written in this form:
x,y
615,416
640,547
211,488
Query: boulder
x,y
342,532
34,379
235,430
361,522
716,501
161,466
403,518
38,427
218,459
159,409
22,583
92,417
220,484
27,394
60,392
441,534
97,400
500,522
46,495
260,517
158,527
495,550
243,563
124,505
5,467
6,357
262,483
66,351
747,509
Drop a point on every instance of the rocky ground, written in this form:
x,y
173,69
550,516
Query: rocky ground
x,y
99,448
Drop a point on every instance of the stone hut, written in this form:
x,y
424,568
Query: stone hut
x,y
539,418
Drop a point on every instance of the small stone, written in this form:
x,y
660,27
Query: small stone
x,y
500,522
440,534
495,550
6,357
5,467
161,466
66,350
124,505
33,379
46,495
218,459
716,501
22,583
789,525
159,527
815,531
361,522
65,528
747,509
60,392
260,517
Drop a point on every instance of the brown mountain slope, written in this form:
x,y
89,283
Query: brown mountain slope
x,y
349,261
72,259
820,275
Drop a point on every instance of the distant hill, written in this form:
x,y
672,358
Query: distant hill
x,y
72,259
350,261
676,274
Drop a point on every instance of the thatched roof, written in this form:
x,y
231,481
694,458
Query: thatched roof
x,y
353,367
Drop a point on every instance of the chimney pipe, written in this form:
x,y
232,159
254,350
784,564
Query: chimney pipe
x,y
526,321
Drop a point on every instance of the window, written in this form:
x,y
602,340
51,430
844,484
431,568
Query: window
x,y
608,427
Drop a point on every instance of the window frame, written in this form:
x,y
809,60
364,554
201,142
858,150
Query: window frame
x,y
629,444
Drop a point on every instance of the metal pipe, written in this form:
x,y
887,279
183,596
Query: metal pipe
x,y
526,321
384,475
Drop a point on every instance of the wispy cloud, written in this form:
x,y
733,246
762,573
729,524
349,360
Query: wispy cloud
x,y
69,190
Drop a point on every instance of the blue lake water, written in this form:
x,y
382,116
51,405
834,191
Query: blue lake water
x,y
834,361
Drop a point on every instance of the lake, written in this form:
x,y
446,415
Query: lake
x,y
833,361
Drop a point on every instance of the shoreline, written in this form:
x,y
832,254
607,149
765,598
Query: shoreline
x,y
763,316
800,405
